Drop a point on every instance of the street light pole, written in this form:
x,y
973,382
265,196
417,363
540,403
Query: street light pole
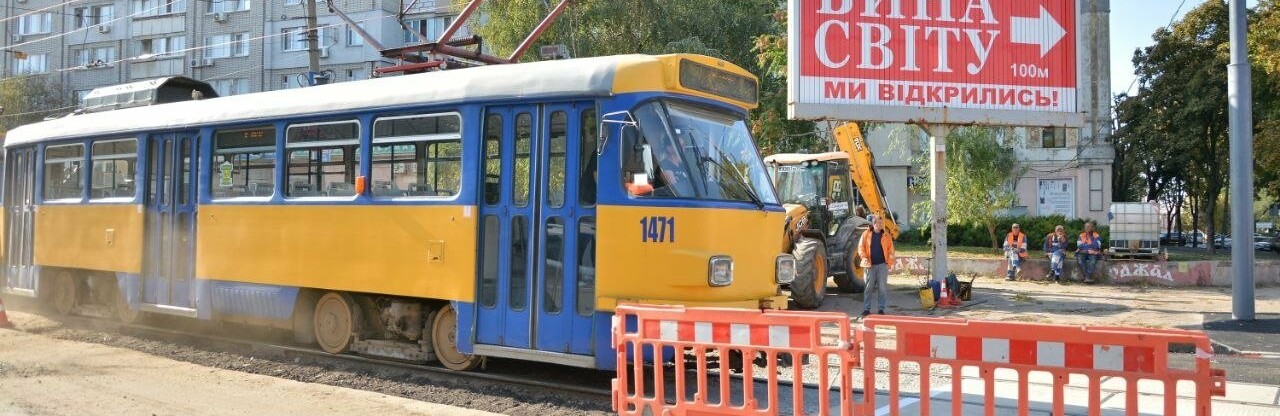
x,y
1239,98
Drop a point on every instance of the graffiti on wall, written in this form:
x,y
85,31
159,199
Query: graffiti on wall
x,y
1187,273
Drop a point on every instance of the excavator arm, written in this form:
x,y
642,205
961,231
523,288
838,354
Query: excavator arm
x,y
862,169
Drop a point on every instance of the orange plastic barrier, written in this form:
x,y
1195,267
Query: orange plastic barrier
x,y
687,340
4,317
1060,350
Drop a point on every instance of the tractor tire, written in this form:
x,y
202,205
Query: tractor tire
x,y
848,273
810,285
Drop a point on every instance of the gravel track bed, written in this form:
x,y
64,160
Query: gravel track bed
x,y
454,390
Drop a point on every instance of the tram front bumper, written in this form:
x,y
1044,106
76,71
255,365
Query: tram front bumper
x,y
777,302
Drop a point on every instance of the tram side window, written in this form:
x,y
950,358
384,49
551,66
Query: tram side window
x,y
417,156
587,166
586,293
62,174
244,163
559,131
323,159
114,163
492,159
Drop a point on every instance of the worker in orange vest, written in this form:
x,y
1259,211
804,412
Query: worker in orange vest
x,y
876,251
1088,251
1015,249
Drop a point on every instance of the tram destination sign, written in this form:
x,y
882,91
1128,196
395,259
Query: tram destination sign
x,y
1001,62
703,78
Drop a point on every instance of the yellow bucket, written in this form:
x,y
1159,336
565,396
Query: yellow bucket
x,y
926,297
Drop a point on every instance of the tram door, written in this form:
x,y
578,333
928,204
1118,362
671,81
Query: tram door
x,y
529,285
169,265
19,200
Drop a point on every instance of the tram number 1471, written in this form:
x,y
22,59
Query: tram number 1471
x,y
658,230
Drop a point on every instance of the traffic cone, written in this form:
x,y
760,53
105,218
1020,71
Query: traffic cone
x,y
4,317
948,297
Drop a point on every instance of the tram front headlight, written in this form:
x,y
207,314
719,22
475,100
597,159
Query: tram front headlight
x,y
785,268
720,271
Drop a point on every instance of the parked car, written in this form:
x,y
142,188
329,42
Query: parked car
x,y
1197,239
1174,238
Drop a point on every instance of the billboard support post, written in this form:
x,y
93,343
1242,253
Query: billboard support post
x,y
938,196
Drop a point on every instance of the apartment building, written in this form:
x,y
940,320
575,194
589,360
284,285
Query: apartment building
x,y
238,46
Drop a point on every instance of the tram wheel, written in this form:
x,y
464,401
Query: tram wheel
x,y
65,293
334,322
123,312
444,338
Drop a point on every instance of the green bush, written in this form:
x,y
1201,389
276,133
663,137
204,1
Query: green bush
x,y
975,235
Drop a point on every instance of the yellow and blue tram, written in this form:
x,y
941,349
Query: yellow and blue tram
x,y
496,211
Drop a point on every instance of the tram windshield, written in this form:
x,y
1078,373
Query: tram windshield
x,y
684,151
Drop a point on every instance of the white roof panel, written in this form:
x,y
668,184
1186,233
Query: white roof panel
x,y
585,77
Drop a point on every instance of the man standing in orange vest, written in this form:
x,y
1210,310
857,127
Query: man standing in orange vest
x,y
1088,251
1015,248
876,251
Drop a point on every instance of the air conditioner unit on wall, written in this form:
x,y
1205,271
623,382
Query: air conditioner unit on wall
x,y
17,38
198,63
220,17
324,52
104,29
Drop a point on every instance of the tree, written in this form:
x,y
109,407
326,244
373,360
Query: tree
x,y
1182,113
1264,50
29,99
773,131
981,169
748,33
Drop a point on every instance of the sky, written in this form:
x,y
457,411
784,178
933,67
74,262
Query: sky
x,y
1132,23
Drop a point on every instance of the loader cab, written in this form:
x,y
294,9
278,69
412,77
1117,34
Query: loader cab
x,y
820,183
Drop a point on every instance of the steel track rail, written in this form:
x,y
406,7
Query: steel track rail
x,y
96,324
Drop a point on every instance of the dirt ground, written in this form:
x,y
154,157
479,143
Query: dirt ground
x,y
1073,303
69,377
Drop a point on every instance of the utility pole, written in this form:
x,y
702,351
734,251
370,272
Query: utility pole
x,y
1240,103
313,47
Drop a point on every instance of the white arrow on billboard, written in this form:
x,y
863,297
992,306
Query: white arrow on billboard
x,y
1043,31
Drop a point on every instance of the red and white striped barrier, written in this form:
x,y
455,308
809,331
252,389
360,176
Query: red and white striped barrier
x,y
665,356
687,341
1129,354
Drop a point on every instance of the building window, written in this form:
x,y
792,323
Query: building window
x,y
62,177
32,64
244,162
229,87
99,56
172,46
1053,138
294,38
356,74
1095,189
145,8
35,24
216,6
292,1
114,164
93,15
225,46
353,37
430,28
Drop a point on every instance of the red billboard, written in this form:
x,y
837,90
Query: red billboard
x,y
938,61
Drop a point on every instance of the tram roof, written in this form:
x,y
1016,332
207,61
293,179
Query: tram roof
x,y
582,77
